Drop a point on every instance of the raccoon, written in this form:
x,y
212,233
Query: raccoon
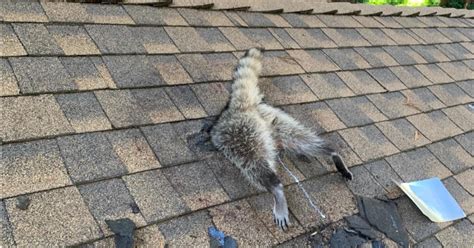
x,y
252,134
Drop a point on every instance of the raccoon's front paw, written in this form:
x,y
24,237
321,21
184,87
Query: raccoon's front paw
x,y
280,217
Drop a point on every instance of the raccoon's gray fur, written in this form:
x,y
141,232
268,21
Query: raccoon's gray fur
x,y
251,133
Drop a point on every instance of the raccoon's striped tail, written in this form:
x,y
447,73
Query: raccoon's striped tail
x,y
245,91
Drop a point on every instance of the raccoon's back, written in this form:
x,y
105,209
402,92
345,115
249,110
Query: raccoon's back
x,y
239,137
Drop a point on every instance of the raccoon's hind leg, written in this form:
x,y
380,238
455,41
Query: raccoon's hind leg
x,y
264,177
299,140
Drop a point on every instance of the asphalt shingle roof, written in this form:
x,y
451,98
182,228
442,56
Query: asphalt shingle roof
x,y
99,104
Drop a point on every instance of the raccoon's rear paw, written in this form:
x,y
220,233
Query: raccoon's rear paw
x,y
280,217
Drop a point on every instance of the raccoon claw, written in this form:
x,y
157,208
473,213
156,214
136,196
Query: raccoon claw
x,y
281,220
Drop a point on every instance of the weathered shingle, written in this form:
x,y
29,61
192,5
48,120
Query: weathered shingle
x,y
346,37
180,231
393,104
434,125
10,45
450,94
107,14
327,85
377,57
404,55
286,90
387,79
400,36
430,53
209,67
110,199
145,186
155,16
183,97
410,76
22,11
73,40
313,60
457,70
279,63
212,96
115,39
455,51
317,116
311,38
347,58
131,71
255,19
36,39
88,72
246,38
170,69
34,77
83,112
284,38
193,182
356,111
55,218
430,35
434,73
451,154
203,39
8,82
462,115
360,82
32,117
402,134
155,40
25,165
205,18
89,157
368,142
417,164
303,21
339,21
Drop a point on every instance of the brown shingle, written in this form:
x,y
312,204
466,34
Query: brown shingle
x,y
368,142
36,39
387,79
8,82
402,134
393,104
183,97
317,116
356,111
457,70
434,73
155,40
286,90
376,37
155,16
108,14
55,218
435,125
313,60
115,39
279,63
339,21
422,99
347,58
209,67
146,187
10,45
400,36
462,116
73,40
327,85
205,18
345,37
450,94
430,53
83,112
310,38
25,165
430,35
360,82
213,96
405,55
303,21
203,39
196,185
246,38
170,69
250,234
376,56
32,117
410,76
22,11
